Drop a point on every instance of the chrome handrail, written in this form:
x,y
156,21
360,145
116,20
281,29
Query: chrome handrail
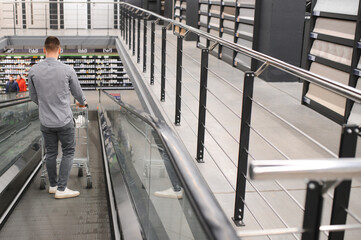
x,y
317,169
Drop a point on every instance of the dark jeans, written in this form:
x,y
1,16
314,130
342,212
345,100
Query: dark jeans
x,y
66,136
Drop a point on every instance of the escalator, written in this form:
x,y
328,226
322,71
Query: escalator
x,y
134,159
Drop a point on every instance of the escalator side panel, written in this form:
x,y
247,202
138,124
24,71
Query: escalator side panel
x,y
26,164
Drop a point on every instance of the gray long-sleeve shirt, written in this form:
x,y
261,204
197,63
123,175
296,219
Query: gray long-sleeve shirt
x,y
50,84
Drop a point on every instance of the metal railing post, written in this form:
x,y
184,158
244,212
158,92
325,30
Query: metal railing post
x,y
123,22
130,30
243,148
342,192
120,20
138,39
202,105
178,90
152,40
145,45
133,52
313,211
164,41
127,26
14,18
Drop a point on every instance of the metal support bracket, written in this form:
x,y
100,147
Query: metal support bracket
x,y
169,25
157,21
261,69
186,33
214,45
327,185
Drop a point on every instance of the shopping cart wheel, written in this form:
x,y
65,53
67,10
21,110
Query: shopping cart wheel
x,y
89,183
80,172
42,183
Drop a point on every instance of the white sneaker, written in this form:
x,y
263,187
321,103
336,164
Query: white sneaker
x,y
53,189
169,193
67,193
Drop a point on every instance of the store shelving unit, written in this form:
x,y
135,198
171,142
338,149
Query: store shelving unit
x,y
243,31
215,22
180,10
186,13
232,20
273,27
203,22
13,66
332,49
228,19
93,71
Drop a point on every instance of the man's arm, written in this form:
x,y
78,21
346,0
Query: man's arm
x,y
32,91
75,88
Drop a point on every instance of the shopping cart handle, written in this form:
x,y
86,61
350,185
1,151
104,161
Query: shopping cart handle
x,y
79,105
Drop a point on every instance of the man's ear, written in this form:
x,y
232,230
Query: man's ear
x,y
44,49
59,50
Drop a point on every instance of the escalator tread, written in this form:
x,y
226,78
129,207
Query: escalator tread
x,y
39,216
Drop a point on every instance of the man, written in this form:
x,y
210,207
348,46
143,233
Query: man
x,y
50,84
21,83
11,86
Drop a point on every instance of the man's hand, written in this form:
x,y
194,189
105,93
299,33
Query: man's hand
x,y
85,104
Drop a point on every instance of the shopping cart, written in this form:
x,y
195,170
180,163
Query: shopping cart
x,y
80,115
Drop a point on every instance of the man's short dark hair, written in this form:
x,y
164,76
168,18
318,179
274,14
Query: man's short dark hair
x,y
52,44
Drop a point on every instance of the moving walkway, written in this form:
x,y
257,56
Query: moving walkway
x,y
133,156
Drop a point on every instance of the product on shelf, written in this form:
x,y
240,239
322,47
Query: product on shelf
x,y
349,7
331,51
92,72
335,27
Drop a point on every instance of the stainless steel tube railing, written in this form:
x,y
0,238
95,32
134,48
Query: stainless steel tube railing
x,y
342,168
